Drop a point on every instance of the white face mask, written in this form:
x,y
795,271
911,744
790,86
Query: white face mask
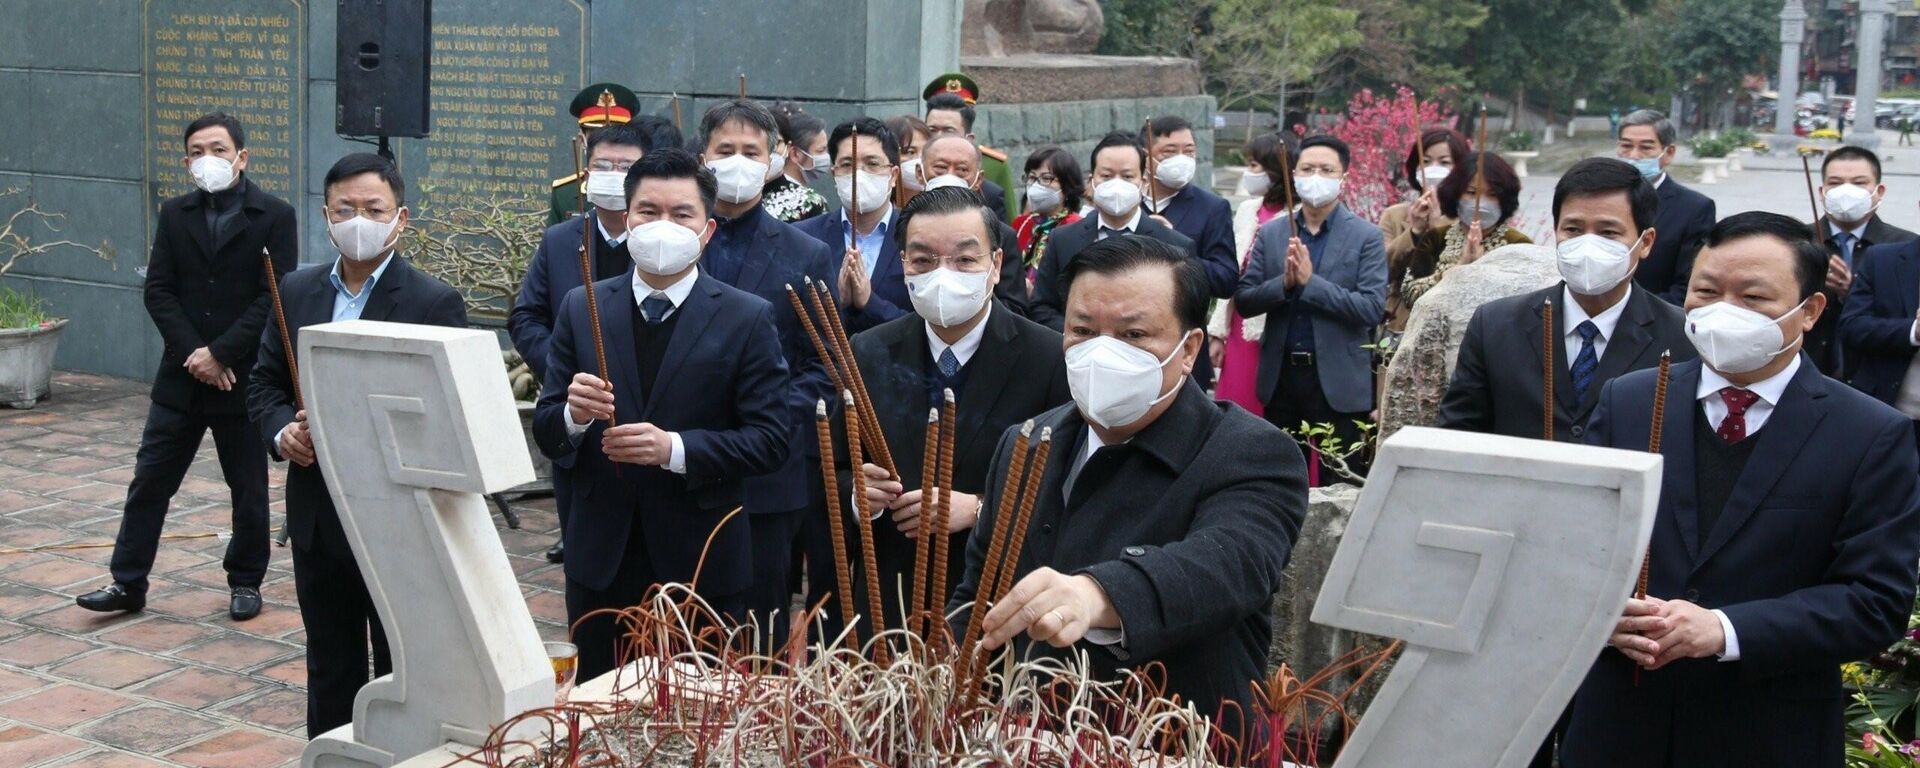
x,y
661,247
1317,190
776,167
1849,203
947,180
213,174
1115,383
607,189
946,297
1256,184
1487,213
910,175
1735,339
741,178
874,188
1592,264
363,239
1175,172
1117,197
1042,198
1434,174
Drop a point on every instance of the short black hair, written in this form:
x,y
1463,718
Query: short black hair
x,y
619,135
1124,253
1339,148
1851,152
1500,180
1275,155
658,133
366,162
952,102
1073,183
1809,256
1168,124
674,164
1597,176
232,124
745,111
1118,139
947,200
867,126
797,127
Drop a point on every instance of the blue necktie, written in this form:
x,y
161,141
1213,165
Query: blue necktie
x,y
655,308
1846,240
949,363
1587,362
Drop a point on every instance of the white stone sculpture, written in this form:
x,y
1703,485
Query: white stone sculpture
x,y
412,424
1503,563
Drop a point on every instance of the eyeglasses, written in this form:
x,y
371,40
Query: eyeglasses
x,y
1042,178
611,165
345,212
922,263
873,165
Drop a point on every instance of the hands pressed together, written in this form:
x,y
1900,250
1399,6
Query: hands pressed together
x,y
885,495
1654,632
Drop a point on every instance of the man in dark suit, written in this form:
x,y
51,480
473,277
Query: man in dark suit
x,y
366,214
555,268
694,406
1195,211
1879,327
952,161
757,253
1164,519
1646,141
1786,534
1322,276
206,291
870,284
1003,369
1603,326
1851,192
951,113
1119,173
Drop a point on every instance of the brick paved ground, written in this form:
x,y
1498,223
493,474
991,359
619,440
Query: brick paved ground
x,y
179,684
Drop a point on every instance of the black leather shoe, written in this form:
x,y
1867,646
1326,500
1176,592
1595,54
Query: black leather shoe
x,y
112,597
245,604
557,553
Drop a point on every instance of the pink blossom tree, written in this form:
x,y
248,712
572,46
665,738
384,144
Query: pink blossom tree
x,y
1381,130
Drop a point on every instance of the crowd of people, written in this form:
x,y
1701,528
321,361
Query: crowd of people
x,y
1164,337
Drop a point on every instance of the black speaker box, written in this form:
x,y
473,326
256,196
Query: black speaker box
x,y
383,53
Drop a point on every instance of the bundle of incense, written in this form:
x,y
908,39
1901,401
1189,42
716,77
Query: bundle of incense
x,y
868,562
1025,469
280,321
1546,365
943,511
923,544
869,422
813,334
823,429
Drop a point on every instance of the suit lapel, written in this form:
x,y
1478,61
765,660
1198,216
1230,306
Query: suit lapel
x,y
996,359
760,255
1562,380
1781,439
694,314
1630,339
1906,276
1677,448
616,331
887,270
386,291
194,211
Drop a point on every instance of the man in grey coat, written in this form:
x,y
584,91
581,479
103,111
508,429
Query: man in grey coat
x,y
1321,274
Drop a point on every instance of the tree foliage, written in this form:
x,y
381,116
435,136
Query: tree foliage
x,y
1261,49
1717,43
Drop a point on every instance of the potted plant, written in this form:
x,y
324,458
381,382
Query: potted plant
x,y
1740,140
1519,147
29,336
1712,151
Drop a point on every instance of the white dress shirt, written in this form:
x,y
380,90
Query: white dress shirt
x,y
964,348
604,235
1132,226
1606,321
1770,391
677,294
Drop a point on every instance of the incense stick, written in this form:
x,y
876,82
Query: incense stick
x,y
943,510
1653,447
823,430
1480,162
280,319
1825,235
586,262
1546,362
830,309
864,524
923,544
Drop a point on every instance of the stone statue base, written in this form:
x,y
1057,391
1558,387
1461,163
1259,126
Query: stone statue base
x,y
1034,78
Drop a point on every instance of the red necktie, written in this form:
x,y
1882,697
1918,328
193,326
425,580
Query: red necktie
x,y
1733,428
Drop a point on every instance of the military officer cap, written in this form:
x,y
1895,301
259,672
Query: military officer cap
x,y
954,83
588,109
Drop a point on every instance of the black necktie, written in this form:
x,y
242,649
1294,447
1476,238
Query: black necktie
x,y
655,308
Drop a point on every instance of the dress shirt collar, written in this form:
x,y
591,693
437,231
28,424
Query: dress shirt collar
x,y
1606,321
1858,232
340,285
676,293
1132,225
746,221
966,346
1659,180
886,215
1770,389
604,235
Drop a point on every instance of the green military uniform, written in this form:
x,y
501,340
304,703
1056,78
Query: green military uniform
x,y
589,111
993,162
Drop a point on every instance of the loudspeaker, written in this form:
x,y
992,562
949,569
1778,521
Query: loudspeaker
x,y
383,52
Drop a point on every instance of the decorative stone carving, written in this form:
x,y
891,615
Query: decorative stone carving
x,y
1001,27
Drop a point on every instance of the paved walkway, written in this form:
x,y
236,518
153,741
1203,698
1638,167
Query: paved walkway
x,y
179,684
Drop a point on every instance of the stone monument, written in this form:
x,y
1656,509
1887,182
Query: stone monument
x,y
412,425
1870,44
1503,563
1001,27
1793,31
1423,364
